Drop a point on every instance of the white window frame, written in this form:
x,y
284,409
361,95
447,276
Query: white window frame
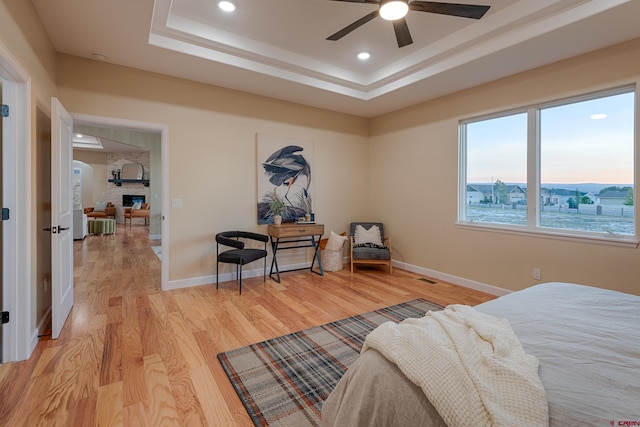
x,y
533,227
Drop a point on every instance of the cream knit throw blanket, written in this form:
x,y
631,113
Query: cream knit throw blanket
x,y
470,366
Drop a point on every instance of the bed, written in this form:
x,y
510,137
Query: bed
x,y
587,342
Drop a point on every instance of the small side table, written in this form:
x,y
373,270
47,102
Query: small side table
x,y
301,236
102,226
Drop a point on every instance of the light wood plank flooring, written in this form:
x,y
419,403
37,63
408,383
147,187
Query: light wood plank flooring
x,y
133,355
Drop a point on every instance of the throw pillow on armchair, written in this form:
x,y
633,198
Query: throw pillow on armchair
x,y
100,207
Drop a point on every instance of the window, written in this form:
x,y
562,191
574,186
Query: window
x,y
561,168
497,169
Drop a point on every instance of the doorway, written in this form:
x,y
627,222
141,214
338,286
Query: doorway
x,y
120,130
19,336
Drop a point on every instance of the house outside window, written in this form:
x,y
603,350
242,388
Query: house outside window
x,y
575,158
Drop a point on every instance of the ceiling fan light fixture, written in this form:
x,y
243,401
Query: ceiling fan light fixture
x,y
227,6
393,9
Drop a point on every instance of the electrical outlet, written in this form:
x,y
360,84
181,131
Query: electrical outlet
x,y
45,284
536,273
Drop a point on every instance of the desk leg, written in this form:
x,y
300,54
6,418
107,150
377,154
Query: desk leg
x,y
274,261
316,255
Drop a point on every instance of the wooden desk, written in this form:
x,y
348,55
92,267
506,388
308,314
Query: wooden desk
x,y
301,236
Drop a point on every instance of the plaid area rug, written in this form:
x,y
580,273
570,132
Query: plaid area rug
x,y
284,381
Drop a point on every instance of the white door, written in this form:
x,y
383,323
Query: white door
x,y
61,217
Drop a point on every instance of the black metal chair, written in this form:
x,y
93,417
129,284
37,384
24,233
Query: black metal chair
x,y
240,255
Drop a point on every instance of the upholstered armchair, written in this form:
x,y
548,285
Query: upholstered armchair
x,y
101,210
131,213
369,245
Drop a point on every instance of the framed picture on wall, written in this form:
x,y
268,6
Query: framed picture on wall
x,y
284,174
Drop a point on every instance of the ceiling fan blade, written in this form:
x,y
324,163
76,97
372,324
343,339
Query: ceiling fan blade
x,y
452,9
403,36
349,28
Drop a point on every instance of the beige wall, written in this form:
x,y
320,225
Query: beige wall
x,y
23,34
417,194
96,190
212,151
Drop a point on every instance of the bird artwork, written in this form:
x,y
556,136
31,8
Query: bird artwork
x,y
290,174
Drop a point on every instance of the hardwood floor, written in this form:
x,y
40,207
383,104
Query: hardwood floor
x,y
133,355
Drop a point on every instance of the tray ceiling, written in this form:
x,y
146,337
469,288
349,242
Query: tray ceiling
x,y
277,48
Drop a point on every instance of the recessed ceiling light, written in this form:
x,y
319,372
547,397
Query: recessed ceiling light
x,y
363,56
227,6
394,9
599,116
99,56
79,135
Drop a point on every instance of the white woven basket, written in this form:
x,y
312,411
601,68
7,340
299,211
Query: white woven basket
x,y
331,260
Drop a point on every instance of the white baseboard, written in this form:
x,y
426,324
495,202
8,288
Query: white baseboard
x,y
208,280
155,236
188,283
471,284
226,277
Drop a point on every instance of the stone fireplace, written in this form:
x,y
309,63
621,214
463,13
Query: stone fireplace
x,y
118,193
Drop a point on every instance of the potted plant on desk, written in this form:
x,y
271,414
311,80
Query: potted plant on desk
x,y
278,208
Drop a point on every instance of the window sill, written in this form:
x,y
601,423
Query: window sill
x,y
613,240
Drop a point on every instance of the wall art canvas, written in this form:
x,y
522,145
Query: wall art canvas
x,y
285,167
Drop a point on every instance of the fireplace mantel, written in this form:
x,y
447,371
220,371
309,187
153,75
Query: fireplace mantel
x,y
119,182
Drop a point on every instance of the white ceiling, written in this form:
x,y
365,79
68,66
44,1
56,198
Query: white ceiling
x,y
104,145
277,48
98,137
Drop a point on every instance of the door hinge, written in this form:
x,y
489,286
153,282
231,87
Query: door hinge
x,y
5,317
5,214
4,110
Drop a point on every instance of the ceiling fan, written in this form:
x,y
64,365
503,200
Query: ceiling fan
x,y
396,10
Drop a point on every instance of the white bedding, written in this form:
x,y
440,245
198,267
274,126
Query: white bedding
x,y
489,380
587,341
